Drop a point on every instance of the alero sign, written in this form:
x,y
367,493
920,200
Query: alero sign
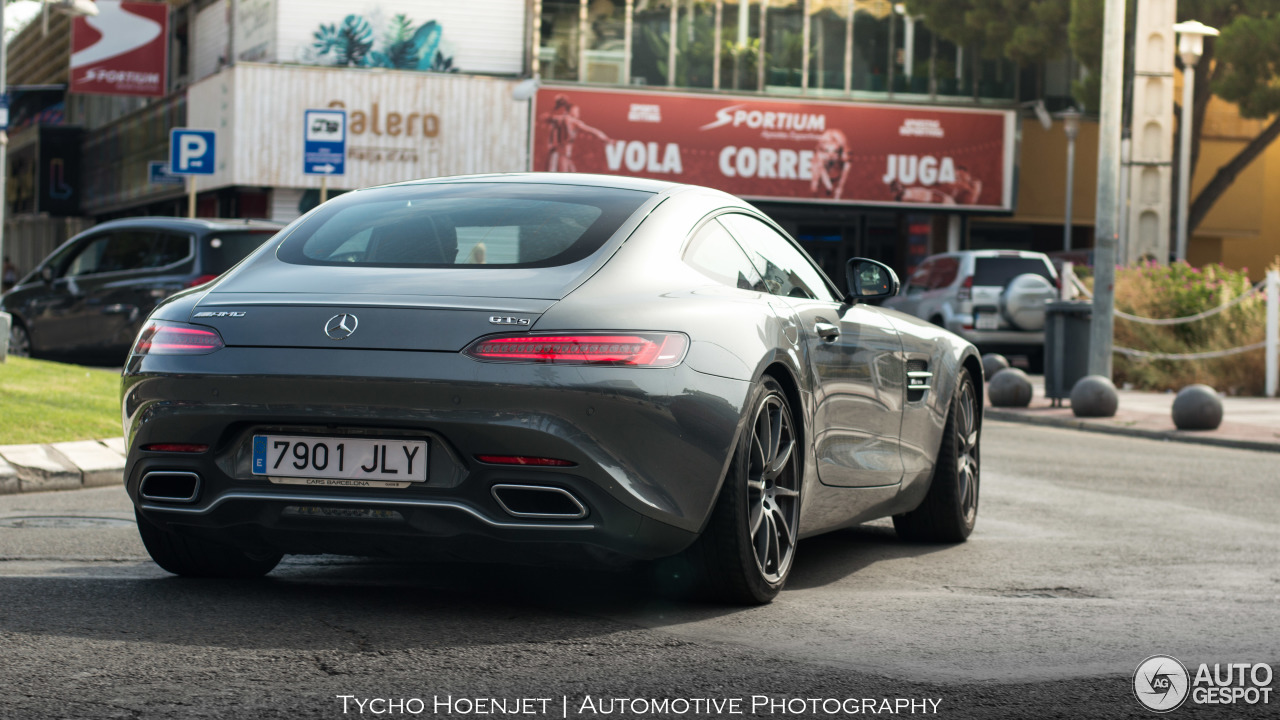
x,y
121,51
865,154
393,124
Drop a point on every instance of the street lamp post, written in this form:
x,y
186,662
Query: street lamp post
x,y
1071,125
1190,48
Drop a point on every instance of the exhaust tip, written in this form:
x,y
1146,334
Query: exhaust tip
x,y
170,486
539,502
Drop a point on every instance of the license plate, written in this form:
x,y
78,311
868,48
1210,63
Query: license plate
x,y
986,321
344,462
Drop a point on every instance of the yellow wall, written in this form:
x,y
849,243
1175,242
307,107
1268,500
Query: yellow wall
x,y
1241,230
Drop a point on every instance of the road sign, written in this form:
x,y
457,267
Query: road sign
x,y
158,174
191,152
324,146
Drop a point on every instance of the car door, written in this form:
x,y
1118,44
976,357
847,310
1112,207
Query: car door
x,y
855,355
44,301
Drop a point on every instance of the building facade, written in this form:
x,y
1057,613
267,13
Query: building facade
x,y
852,124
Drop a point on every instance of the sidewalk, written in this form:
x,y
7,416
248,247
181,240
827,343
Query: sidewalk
x,y
61,466
1250,423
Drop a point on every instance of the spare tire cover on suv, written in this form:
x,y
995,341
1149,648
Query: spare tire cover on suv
x,y
1023,299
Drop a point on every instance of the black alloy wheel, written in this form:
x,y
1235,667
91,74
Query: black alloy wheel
x,y
749,545
950,509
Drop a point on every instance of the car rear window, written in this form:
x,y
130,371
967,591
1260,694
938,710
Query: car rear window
x,y
222,250
998,271
467,224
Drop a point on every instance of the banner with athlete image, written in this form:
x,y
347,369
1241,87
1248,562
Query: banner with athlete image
x,y
761,148
123,50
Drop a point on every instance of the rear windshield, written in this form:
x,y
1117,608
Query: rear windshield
x,y
471,224
224,249
999,271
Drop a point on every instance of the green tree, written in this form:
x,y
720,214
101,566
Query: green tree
x,y
1242,66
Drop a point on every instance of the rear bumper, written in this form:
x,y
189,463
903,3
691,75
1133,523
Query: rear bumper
x,y
650,447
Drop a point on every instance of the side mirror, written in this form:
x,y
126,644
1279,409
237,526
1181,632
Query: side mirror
x,y
46,274
869,280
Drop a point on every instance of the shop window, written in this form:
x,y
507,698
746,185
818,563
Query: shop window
x,y
871,46
605,58
784,43
830,23
558,39
696,44
651,42
740,45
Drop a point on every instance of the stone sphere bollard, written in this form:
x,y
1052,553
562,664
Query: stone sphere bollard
x,y
1009,388
1197,407
993,363
1094,396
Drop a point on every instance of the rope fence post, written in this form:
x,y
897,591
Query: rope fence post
x,y
1273,330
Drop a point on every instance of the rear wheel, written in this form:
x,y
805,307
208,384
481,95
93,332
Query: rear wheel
x,y
19,340
194,557
950,508
747,549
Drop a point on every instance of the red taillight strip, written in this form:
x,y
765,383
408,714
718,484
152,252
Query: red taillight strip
x,y
523,460
159,338
638,350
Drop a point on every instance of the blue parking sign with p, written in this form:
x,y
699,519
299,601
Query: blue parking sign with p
x,y
191,152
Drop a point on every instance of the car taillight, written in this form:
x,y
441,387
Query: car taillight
x,y
630,349
523,460
165,338
201,280
966,289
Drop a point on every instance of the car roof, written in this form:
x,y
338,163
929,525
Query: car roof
x,y
187,224
554,178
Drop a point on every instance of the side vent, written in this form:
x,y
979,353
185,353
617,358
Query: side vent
x,y
918,380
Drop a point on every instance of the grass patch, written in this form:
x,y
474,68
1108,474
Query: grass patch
x,y
43,402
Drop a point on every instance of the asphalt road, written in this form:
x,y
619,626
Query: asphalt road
x,y
1092,552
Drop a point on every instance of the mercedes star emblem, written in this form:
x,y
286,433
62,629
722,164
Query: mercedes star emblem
x,y
341,327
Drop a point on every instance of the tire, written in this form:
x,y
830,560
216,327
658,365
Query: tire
x,y
194,557
950,508
19,340
746,552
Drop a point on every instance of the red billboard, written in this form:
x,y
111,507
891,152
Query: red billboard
x,y
123,50
763,148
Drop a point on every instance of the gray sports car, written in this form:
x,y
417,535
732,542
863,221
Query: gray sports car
x,y
549,368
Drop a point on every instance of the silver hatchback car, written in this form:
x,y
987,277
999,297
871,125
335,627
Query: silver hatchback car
x,y
992,298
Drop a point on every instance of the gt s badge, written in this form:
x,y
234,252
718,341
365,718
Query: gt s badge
x,y
500,320
219,313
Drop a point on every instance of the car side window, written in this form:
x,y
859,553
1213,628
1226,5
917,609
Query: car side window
x,y
167,250
88,259
784,269
944,273
715,253
919,280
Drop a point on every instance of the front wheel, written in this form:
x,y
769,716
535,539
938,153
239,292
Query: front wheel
x,y
950,509
747,549
195,557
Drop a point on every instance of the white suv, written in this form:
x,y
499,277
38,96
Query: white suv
x,y
992,298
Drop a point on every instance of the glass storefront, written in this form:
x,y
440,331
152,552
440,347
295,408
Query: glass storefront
x,y
863,49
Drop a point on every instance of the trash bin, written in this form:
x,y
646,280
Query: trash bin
x,y
1066,346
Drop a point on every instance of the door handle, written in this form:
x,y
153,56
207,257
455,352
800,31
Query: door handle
x,y
826,331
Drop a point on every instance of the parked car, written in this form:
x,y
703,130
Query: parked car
x,y
543,368
89,298
992,298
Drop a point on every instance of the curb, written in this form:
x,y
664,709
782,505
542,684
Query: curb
x,y
61,466
1184,436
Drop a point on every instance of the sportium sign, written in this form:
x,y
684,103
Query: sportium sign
x,y
833,152
122,50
